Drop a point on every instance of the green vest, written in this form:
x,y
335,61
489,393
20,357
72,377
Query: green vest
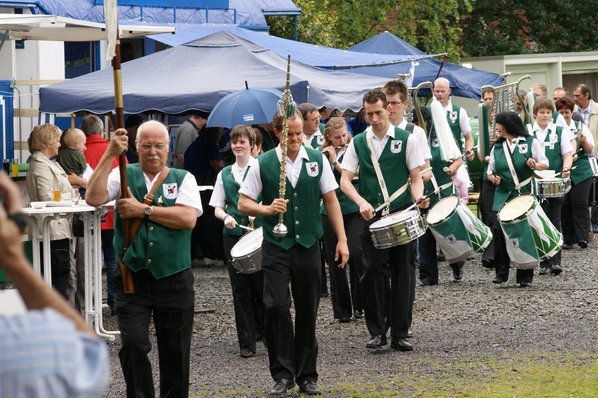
x,y
231,192
506,189
552,147
438,166
316,142
455,126
347,205
393,164
302,217
583,170
163,251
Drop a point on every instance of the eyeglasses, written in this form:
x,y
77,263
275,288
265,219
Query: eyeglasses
x,y
394,103
146,146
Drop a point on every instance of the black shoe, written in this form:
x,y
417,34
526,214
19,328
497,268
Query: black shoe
x,y
487,263
544,271
409,333
427,282
246,353
344,320
524,284
309,387
567,246
401,345
499,279
457,273
324,294
556,269
582,243
282,386
358,314
440,256
377,341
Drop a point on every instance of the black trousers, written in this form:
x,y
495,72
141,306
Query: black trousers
x,y
60,259
247,292
552,208
341,292
170,301
386,304
293,352
485,203
428,262
502,261
575,214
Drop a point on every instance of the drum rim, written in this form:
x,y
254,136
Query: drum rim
x,y
453,211
245,239
533,204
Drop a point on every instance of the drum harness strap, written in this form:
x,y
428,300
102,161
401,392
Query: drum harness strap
x,y
509,157
387,199
239,180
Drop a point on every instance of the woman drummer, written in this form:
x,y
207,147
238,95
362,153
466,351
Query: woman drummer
x,y
336,140
247,288
556,142
524,152
575,215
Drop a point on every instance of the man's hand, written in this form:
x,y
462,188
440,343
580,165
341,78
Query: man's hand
x,y
130,207
342,252
366,210
277,206
118,143
423,202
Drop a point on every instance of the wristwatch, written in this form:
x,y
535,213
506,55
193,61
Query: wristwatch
x,y
148,211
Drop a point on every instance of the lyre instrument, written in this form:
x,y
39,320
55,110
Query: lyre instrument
x,y
413,103
504,100
286,108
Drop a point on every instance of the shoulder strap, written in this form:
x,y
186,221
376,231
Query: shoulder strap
x,y
149,198
410,127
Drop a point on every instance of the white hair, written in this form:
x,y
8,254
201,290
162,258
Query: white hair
x,y
150,125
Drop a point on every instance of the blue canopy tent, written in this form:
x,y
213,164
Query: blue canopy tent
x,y
196,75
465,82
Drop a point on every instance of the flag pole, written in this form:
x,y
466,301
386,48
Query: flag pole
x,y
113,53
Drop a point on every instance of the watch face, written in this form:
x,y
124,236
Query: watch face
x,y
148,211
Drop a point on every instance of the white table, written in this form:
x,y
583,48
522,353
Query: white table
x,y
92,255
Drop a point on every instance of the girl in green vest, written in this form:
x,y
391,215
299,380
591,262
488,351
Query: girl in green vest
x,y
525,154
575,215
246,288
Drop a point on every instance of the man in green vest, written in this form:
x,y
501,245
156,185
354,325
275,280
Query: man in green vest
x,y
312,128
387,158
164,204
293,259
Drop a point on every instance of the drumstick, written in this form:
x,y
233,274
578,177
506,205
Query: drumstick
x,y
560,172
244,227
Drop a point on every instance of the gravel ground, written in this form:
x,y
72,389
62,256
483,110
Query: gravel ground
x,y
454,321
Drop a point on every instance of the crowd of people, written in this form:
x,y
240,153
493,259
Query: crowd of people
x,y
328,181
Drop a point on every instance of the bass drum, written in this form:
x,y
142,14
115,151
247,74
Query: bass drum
x,y
475,167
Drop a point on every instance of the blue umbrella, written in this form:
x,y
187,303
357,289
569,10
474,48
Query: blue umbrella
x,y
248,106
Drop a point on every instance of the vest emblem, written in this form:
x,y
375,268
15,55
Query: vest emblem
x,y
320,139
312,169
435,143
522,147
453,116
171,190
396,146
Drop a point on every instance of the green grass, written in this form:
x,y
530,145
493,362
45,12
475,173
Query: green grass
x,y
544,375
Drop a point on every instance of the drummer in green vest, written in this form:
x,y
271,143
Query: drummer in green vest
x,y
387,159
159,258
293,259
247,288
575,215
516,147
556,143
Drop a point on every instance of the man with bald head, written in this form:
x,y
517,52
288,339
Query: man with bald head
x,y
164,204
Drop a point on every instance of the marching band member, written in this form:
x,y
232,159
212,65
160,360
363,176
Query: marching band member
x,y
292,262
575,216
247,288
336,139
515,146
387,157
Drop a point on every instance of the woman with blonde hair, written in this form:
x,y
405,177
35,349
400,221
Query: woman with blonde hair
x,y
43,178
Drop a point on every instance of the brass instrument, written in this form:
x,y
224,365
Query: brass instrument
x,y
504,100
286,108
413,103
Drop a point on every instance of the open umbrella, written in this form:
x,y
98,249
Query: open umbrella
x,y
248,106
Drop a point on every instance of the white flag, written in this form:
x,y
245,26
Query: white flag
x,y
111,16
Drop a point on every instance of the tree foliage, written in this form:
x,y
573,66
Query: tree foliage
x,y
457,27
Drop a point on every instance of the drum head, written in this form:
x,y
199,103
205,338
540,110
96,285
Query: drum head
x,y
393,219
248,244
441,210
516,207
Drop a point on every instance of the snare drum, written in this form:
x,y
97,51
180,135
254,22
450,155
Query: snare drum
x,y
247,252
529,234
397,229
458,232
553,187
